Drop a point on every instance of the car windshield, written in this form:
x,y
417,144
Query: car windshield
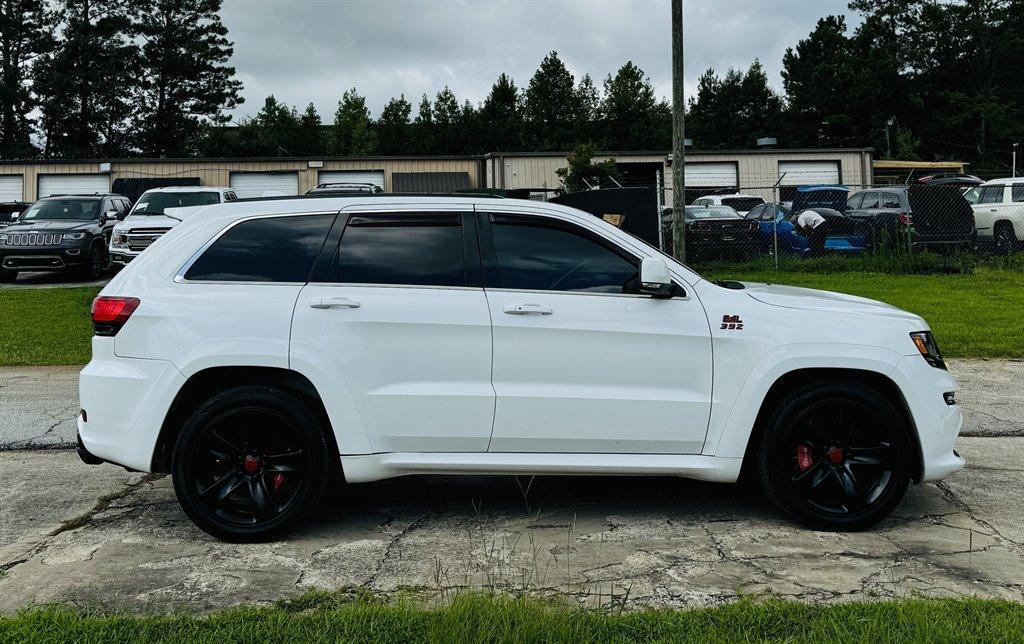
x,y
51,209
154,203
710,212
742,203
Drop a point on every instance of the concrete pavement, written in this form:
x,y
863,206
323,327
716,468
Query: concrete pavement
x,y
38,405
98,537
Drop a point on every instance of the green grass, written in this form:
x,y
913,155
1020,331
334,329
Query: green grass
x,y
481,618
973,316
45,326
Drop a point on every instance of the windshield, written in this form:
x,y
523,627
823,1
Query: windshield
x,y
50,209
154,203
710,212
743,203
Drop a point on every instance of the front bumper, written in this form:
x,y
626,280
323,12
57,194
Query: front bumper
x,y
938,424
121,256
126,401
45,258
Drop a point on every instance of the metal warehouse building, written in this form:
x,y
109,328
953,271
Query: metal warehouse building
x,y
752,171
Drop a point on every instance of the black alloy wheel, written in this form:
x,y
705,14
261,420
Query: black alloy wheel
x,y
836,456
250,464
1006,240
94,263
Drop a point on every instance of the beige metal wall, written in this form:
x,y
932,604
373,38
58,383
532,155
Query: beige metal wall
x,y
758,170
217,172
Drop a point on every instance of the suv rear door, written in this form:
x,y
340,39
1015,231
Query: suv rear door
x,y
394,330
583,364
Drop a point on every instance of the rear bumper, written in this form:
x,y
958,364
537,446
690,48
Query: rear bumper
x,y
938,424
126,401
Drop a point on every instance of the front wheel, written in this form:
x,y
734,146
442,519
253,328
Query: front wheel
x,y
835,455
250,464
92,270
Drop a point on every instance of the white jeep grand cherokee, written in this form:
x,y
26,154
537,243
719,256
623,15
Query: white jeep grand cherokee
x,y
268,344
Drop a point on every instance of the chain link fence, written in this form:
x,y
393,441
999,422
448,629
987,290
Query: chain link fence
x,y
937,218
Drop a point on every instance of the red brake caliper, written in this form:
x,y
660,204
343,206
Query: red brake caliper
x,y
803,458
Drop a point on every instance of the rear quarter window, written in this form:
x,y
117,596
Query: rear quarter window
x,y
1018,193
269,249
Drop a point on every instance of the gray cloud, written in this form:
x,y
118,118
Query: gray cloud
x,y
313,50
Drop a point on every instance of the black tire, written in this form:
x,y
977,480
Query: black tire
x,y
115,268
6,277
835,455
250,464
1004,239
92,269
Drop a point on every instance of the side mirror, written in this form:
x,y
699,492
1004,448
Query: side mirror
x,y
654,278
15,215
110,214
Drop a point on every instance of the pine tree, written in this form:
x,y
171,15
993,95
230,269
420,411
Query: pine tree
x,y
393,128
24,35
551,105
309,135
352,133
185,83
84,81
501,117
629,109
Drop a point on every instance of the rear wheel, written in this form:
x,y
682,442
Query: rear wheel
x,y
1005,239
835,456
250,464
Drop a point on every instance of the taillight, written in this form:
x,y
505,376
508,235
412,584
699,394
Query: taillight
x,y
110,313
905,218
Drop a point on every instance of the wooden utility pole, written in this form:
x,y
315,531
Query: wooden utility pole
x,y
678,135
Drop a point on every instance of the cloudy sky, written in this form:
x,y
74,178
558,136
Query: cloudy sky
x,y
312,50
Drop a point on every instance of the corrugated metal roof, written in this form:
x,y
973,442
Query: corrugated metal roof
x,y
429,182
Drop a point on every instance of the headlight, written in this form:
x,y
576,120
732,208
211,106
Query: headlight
x,y
119,240
926,345
74,236
3,238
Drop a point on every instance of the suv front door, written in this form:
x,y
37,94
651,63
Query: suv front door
x,y
394,325
582,363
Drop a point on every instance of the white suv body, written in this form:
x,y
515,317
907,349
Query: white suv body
x,y
999,211
144,223
478,335
739,202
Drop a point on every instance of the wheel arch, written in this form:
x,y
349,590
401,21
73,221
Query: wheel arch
x,y
875,380
203,384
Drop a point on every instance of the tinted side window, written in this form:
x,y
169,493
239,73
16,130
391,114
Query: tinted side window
x,y
271,249
891,200
870,200
425,250
990,194
855,201
546,255
1018,192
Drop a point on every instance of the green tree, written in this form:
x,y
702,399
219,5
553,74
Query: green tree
x,y
629,110
83,83
24,35
423,126
735,110
269,133
352,133
551,105
394,131
501,117
581,172
185,84
308,139
589,125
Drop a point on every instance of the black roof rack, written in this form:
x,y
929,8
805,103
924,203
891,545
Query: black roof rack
x,y
327,195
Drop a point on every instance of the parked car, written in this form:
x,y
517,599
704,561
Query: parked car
x,y
738,202
831,197
714,232
148,219
346,189
998,207
9,211
937,217
845,235
962,181
379,337
61,233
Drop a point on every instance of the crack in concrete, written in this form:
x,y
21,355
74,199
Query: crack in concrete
x,y
952,498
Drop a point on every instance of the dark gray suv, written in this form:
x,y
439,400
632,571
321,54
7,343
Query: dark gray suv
x,y
937,216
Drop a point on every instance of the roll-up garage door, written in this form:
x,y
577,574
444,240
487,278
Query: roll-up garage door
x,y
10,187
256,184
73,184
376,177
808,173
711,175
